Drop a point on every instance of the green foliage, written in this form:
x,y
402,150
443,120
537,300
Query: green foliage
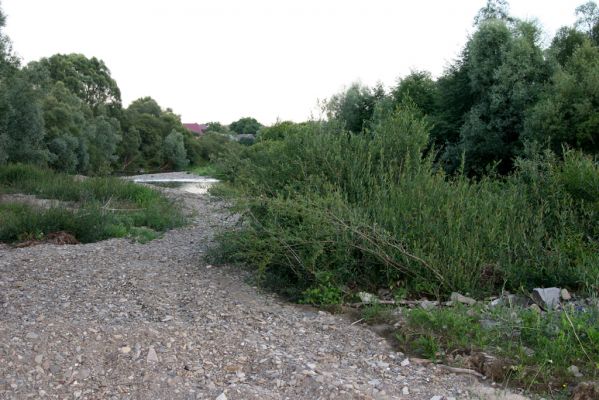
x,y
355,107
568,111
106,207
87,78
420,88
21,122
535,349
369,211
505,70
174,150
245,126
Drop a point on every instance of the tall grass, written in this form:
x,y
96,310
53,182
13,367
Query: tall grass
x,y
324,209
103,207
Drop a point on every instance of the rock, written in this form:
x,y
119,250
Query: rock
x,y
428,305
573,369
565,295
167,318
437,398
405,362
39,358
152,356
405,391
459,298
32,335
222,396
368,298
496,302
125,349
547,298
514,300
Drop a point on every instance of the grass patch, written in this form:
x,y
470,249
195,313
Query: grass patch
x,y
532,350
106,207
205,170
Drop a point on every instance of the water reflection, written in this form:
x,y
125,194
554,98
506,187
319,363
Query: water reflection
x,y
195,186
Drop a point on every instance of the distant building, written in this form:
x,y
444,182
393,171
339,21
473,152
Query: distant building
x,y
196,129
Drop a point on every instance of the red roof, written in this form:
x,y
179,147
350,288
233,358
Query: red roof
x,y
198,129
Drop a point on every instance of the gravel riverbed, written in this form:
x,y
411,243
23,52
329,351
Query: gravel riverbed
x,y
124,320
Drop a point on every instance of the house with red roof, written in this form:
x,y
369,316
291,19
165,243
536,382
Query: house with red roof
x,y
196,129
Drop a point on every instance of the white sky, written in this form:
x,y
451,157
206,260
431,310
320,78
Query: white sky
x,y
219,60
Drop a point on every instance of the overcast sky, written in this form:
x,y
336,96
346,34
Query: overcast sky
x,y
219,60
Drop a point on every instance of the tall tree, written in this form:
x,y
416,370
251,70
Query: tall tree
x,y
87,78
245,126
355,107
568,112
505,73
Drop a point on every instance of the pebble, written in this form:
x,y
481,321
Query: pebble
x,y
32,335
152,356
405,391
405,362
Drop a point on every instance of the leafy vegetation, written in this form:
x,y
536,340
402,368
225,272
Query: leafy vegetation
x,y
531,350
372,211
100,208
65,112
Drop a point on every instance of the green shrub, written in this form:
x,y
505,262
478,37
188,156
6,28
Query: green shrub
x,y
371,211
104,207
536,349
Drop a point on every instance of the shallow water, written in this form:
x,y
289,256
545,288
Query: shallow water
x,y
196,185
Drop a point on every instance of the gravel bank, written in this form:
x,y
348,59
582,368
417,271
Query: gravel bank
x,y
123,320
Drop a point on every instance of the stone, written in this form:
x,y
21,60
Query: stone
x,y
573,369
437,398
222,396
565,295
428,305
459,298
547,298
32,335
125,349
405,362
368,298
39,358
405,391
514,300
152,356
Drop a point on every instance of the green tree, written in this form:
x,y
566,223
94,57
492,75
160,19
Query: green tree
x,y
355,107
245,126
8,61
494,10
103,137
87,78
174,150
21,122
506,71
420,87
587,17
568,112
565,43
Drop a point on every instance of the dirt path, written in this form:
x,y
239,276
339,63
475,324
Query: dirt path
x,y
123,320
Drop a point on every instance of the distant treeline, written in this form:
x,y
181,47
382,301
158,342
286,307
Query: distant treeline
x,y
504,91
65,112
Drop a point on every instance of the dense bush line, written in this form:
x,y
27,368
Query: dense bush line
x,y
325,211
